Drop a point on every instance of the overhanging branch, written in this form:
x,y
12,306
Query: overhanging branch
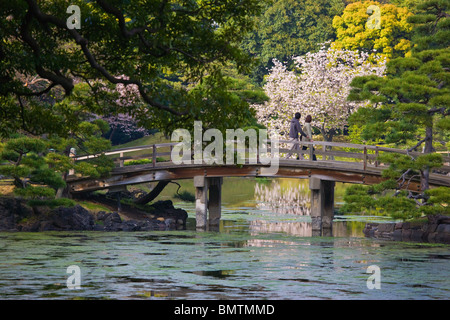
x,y
83,43
417,145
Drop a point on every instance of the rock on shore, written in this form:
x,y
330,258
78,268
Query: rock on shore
x,y
16,215
436,229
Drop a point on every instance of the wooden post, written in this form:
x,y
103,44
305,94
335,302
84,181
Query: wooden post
x,y
376,156
121,162
322,205
154,156
257,156
365,158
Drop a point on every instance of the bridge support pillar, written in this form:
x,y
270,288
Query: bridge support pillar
x,y
322,205
208,197
215,200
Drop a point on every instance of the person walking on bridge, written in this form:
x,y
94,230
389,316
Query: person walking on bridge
x,y
308,138
294,131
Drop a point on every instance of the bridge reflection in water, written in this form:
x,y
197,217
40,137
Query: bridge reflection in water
x,y
304,228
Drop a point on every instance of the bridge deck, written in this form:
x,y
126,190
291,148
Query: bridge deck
x,y
339,171
355,164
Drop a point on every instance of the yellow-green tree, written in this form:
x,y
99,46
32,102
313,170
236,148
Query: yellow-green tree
x,y
389,37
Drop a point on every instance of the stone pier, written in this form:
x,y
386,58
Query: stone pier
x,y
322,206
208,198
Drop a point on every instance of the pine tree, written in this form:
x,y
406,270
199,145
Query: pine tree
x,y
411,104
39,164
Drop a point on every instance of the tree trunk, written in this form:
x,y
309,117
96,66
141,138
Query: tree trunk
x,y
112,134
64,191
425,174
19,183
154,193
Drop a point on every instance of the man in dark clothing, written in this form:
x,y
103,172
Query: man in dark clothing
x,y
295,129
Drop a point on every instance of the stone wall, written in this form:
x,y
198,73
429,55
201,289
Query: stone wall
x,y
434,229
16,215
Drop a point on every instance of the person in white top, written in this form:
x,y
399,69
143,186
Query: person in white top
x,y
308,131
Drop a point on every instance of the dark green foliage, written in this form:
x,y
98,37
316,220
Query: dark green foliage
x,y
100,166
358,199
432,27
25,164
399,207
48,177
244,88
290,28
39,172
373,200
32,192
439,198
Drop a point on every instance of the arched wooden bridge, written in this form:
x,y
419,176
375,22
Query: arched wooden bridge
x,y
350,163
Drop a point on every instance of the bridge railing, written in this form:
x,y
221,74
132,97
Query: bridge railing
x,y
160,154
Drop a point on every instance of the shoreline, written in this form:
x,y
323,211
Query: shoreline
x,y
436,229
17,216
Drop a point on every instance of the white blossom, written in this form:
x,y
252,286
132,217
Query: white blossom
x,y
319,86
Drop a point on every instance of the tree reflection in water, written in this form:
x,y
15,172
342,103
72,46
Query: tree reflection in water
x,y
283,197
291,198
287,202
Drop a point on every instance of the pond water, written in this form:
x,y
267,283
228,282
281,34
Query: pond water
x,y
262,250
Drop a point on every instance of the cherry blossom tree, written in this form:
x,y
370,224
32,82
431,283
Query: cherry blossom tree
x,y
318,86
